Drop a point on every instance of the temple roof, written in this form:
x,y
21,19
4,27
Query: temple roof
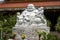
x,y
23,5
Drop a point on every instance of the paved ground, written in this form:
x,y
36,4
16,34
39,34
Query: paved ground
x,y
56,33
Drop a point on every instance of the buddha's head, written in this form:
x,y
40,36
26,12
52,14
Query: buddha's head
x,y
30,7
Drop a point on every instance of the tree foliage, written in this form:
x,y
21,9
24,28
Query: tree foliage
x,y
57,26
7,22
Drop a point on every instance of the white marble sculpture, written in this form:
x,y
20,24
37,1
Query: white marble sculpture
x,y
29,21
41,14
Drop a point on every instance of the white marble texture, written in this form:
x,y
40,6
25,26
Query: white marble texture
x,y
29,21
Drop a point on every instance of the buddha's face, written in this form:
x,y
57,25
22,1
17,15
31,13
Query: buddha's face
x,y
30,7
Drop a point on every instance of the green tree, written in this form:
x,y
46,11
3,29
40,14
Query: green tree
x,y
7,23
57,26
